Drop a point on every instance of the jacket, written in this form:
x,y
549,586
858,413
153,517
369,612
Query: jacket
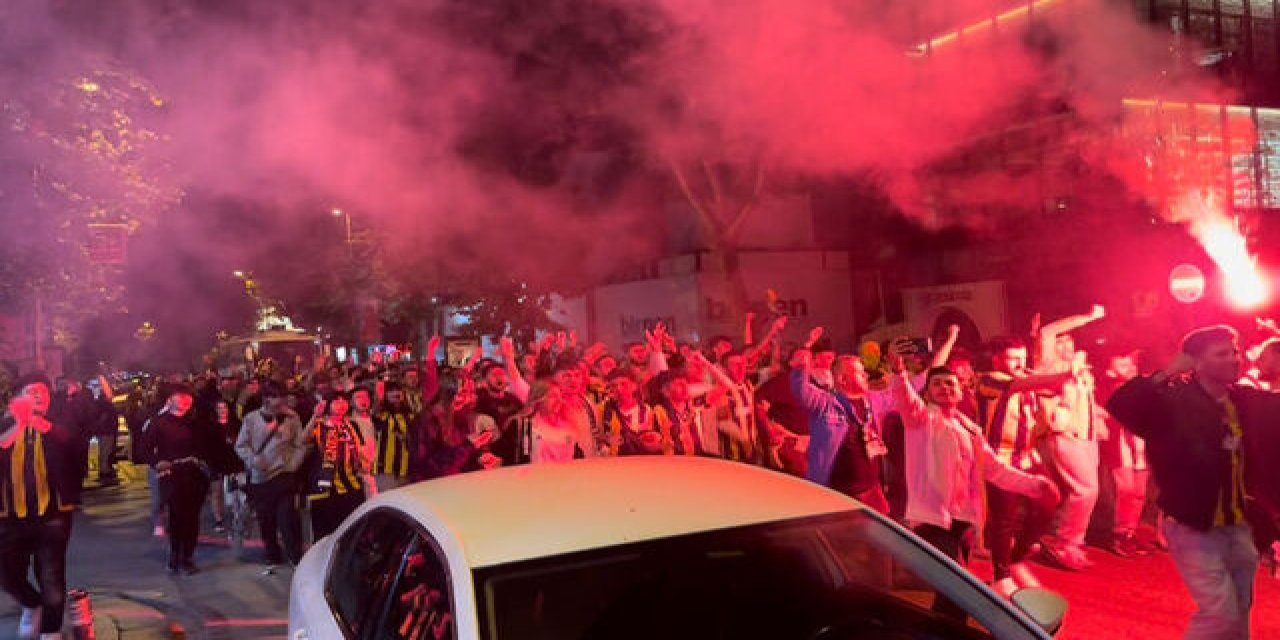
x,y
1185,431
60,448
266,456
831,415
947,460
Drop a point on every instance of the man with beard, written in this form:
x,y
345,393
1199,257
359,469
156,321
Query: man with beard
x,y
1071,446
677,419
736,409
392,422
273,446
1011,413
844,444
496,401
1199,426
39,490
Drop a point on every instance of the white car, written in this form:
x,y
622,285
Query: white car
x,y
638,547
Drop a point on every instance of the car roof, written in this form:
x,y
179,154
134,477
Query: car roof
x,y
533,511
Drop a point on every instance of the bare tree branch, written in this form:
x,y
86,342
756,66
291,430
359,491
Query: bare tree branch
x,y
735,226
708,220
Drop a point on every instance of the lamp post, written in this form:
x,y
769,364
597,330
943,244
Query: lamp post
x,y
346,217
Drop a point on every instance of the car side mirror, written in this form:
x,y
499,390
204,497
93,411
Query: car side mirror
x,y
1045,607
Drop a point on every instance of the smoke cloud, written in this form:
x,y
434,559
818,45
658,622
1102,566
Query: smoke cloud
x,y
536,139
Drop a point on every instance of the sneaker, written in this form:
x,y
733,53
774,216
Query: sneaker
x,y
1062,559
158,531
189,568
1005,587
219,527
29,623
1023,575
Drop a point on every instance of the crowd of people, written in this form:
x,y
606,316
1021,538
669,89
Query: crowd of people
x,y
1005,452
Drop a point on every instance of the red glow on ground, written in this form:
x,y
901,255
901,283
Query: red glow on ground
x,y
1246,287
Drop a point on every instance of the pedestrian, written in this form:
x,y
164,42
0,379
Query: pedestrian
x,y
392,422
228,428
947,462
344,457
1070,448
628,422
273,446
182,448
1196,421
1124,456
39,491
106,428
845,449
1012,417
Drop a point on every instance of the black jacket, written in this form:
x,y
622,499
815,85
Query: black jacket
x,y
61,451
168,437
1185,430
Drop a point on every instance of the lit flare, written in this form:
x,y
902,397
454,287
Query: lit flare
x,y
1246,287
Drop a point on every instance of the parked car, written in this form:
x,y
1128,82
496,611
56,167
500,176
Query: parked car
x,y
638,547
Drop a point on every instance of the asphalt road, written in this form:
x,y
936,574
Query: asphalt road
x,y
115,558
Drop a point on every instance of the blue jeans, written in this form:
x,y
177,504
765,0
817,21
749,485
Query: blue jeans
x,y
1218,568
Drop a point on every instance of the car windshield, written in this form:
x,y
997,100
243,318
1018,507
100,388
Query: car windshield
x,y
847,575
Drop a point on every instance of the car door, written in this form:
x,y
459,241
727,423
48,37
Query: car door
x,y
389,581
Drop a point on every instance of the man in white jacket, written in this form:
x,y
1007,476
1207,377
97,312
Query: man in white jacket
x,y
947,461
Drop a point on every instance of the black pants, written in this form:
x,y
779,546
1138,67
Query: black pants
x,y
106,456
327,513
1014,523
44,541
275,502
183,492
956,543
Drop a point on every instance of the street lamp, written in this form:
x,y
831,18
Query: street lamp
x,y
346,217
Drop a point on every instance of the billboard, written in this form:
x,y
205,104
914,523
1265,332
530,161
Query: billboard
x,y
979,308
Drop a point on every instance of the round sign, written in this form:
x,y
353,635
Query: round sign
x,y
1186,283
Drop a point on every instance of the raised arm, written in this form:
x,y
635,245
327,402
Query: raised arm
x,y
905,398
808,394
770,338
519,386
1040,382
430,371
1046,341
943,353
746,329
656,339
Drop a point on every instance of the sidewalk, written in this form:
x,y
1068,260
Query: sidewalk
x,y
115,558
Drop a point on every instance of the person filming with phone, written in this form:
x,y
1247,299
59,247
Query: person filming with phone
x,y
273,445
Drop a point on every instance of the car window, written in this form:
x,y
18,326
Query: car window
x,y
830,578
366,563
422,605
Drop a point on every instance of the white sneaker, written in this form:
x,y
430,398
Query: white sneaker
x,y
1023,575
57,635
158,531
29,623
1005,587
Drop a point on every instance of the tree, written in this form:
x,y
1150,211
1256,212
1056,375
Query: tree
x,y
79,151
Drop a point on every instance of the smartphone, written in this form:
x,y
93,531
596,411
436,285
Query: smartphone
x,y
916,347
